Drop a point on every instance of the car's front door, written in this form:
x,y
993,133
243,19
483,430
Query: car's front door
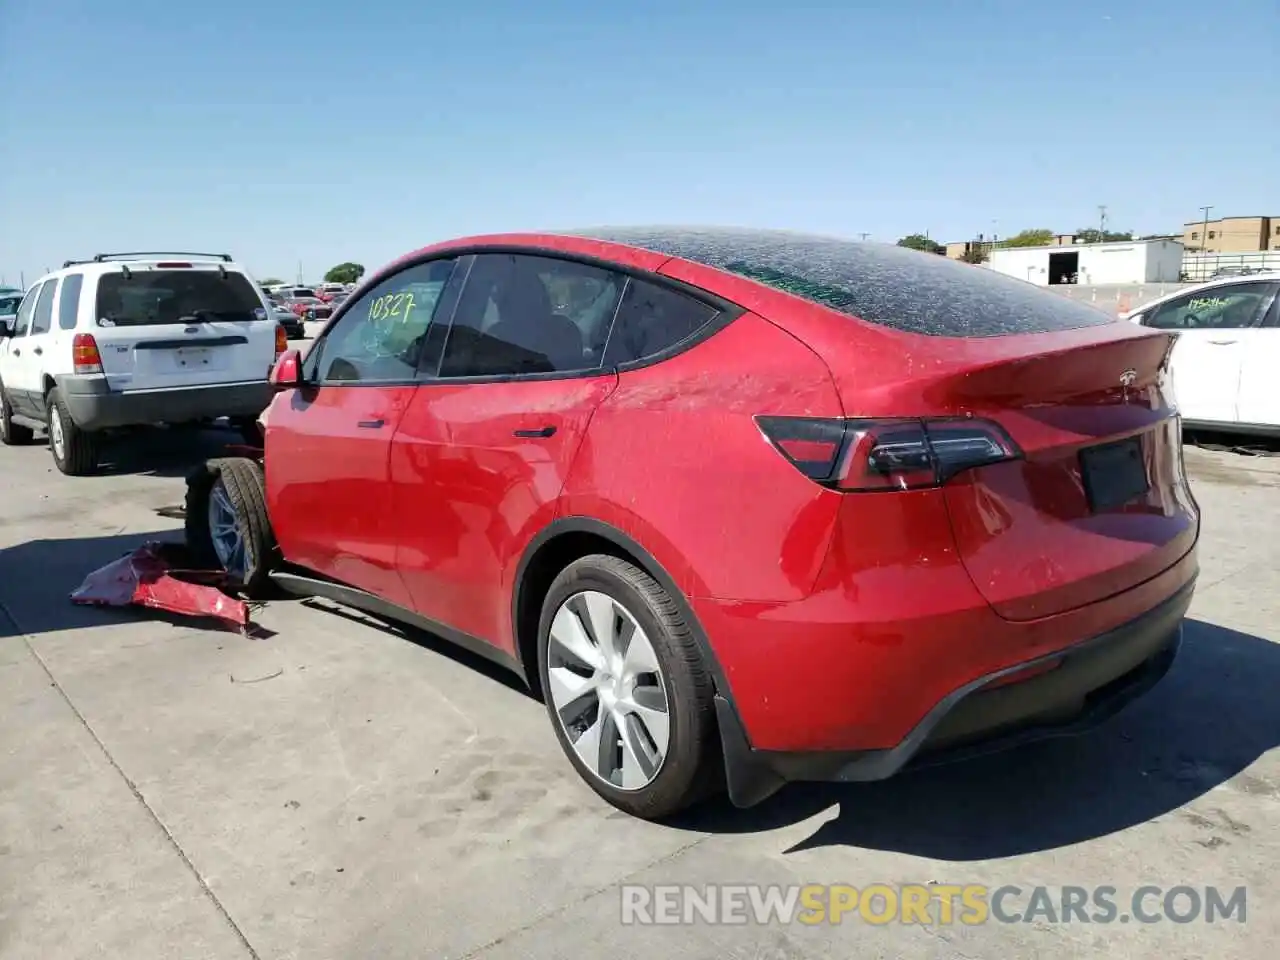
x,y
1258,405
482,454
329,441
1213,328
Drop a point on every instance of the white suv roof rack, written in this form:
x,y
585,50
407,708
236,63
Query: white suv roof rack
x,y
139,254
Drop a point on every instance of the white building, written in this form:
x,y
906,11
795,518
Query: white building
x,y
1124,261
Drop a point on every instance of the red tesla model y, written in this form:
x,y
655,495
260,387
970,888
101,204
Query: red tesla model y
x,y
739,502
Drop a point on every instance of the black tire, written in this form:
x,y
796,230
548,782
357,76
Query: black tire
x,y
79,456
245,484
11,434
689,770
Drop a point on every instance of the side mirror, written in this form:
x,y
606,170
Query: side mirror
x,y
287,373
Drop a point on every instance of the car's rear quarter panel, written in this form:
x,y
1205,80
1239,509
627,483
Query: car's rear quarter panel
x,y
674,457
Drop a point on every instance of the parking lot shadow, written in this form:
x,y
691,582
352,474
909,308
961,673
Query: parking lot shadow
x,y
164,452
424,639
37,577
1213,715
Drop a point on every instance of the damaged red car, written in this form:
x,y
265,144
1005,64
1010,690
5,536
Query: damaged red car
x,y
743,507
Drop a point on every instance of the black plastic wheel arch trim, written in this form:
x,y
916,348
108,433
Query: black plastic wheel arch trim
x,y
650,566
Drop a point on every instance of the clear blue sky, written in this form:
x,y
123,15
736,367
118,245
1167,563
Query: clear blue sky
x,y
324,131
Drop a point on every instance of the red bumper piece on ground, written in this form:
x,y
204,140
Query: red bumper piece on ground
x,y
153,576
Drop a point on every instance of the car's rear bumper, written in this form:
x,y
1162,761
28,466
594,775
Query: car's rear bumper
x,y
1052,689
94,406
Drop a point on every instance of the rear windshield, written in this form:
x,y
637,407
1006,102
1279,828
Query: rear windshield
x,y
887,285
153,297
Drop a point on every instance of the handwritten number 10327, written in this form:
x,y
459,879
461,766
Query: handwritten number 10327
x,y
392,306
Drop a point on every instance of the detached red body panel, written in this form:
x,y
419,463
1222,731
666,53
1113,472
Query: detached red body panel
x,y
147,577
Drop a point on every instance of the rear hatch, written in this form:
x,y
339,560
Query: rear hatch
x,y
167,325
1090,498
1096,501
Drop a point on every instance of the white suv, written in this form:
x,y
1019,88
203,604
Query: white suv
x,y
134,339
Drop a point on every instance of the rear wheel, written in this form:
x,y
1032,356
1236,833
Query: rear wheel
x,y
626,687
75,451
11,434
227,524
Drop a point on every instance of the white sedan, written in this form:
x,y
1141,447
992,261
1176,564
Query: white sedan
x,y
1226,361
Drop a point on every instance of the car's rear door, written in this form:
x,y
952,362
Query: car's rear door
x,y
15,355
482,454
328,442
177,324
36,352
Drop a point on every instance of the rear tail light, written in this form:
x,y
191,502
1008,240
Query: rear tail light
x,y
899,454
85,357
282,339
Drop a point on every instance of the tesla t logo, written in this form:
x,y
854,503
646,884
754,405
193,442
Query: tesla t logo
x,y
1126,381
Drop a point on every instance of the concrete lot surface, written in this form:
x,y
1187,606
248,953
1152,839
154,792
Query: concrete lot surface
x,y
339,789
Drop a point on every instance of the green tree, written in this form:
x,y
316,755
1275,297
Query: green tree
x,y
271,282
977,253
1029,238
1090,235
918,241
344,273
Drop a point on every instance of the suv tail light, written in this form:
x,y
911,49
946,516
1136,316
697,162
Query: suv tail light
x,y
898,454
85,357
282,339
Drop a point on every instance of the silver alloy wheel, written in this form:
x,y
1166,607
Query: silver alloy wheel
x,y
607,687
57,438
224,531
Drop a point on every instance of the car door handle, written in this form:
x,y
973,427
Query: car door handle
x,y
537,434
38,351
17,352
371,424
1223,343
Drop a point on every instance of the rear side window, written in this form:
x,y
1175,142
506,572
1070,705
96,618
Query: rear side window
x,y
150,297
886,285
652,320
23,319
69,305
42,316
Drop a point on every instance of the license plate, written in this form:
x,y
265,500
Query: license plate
x,y
1114,474
193,356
